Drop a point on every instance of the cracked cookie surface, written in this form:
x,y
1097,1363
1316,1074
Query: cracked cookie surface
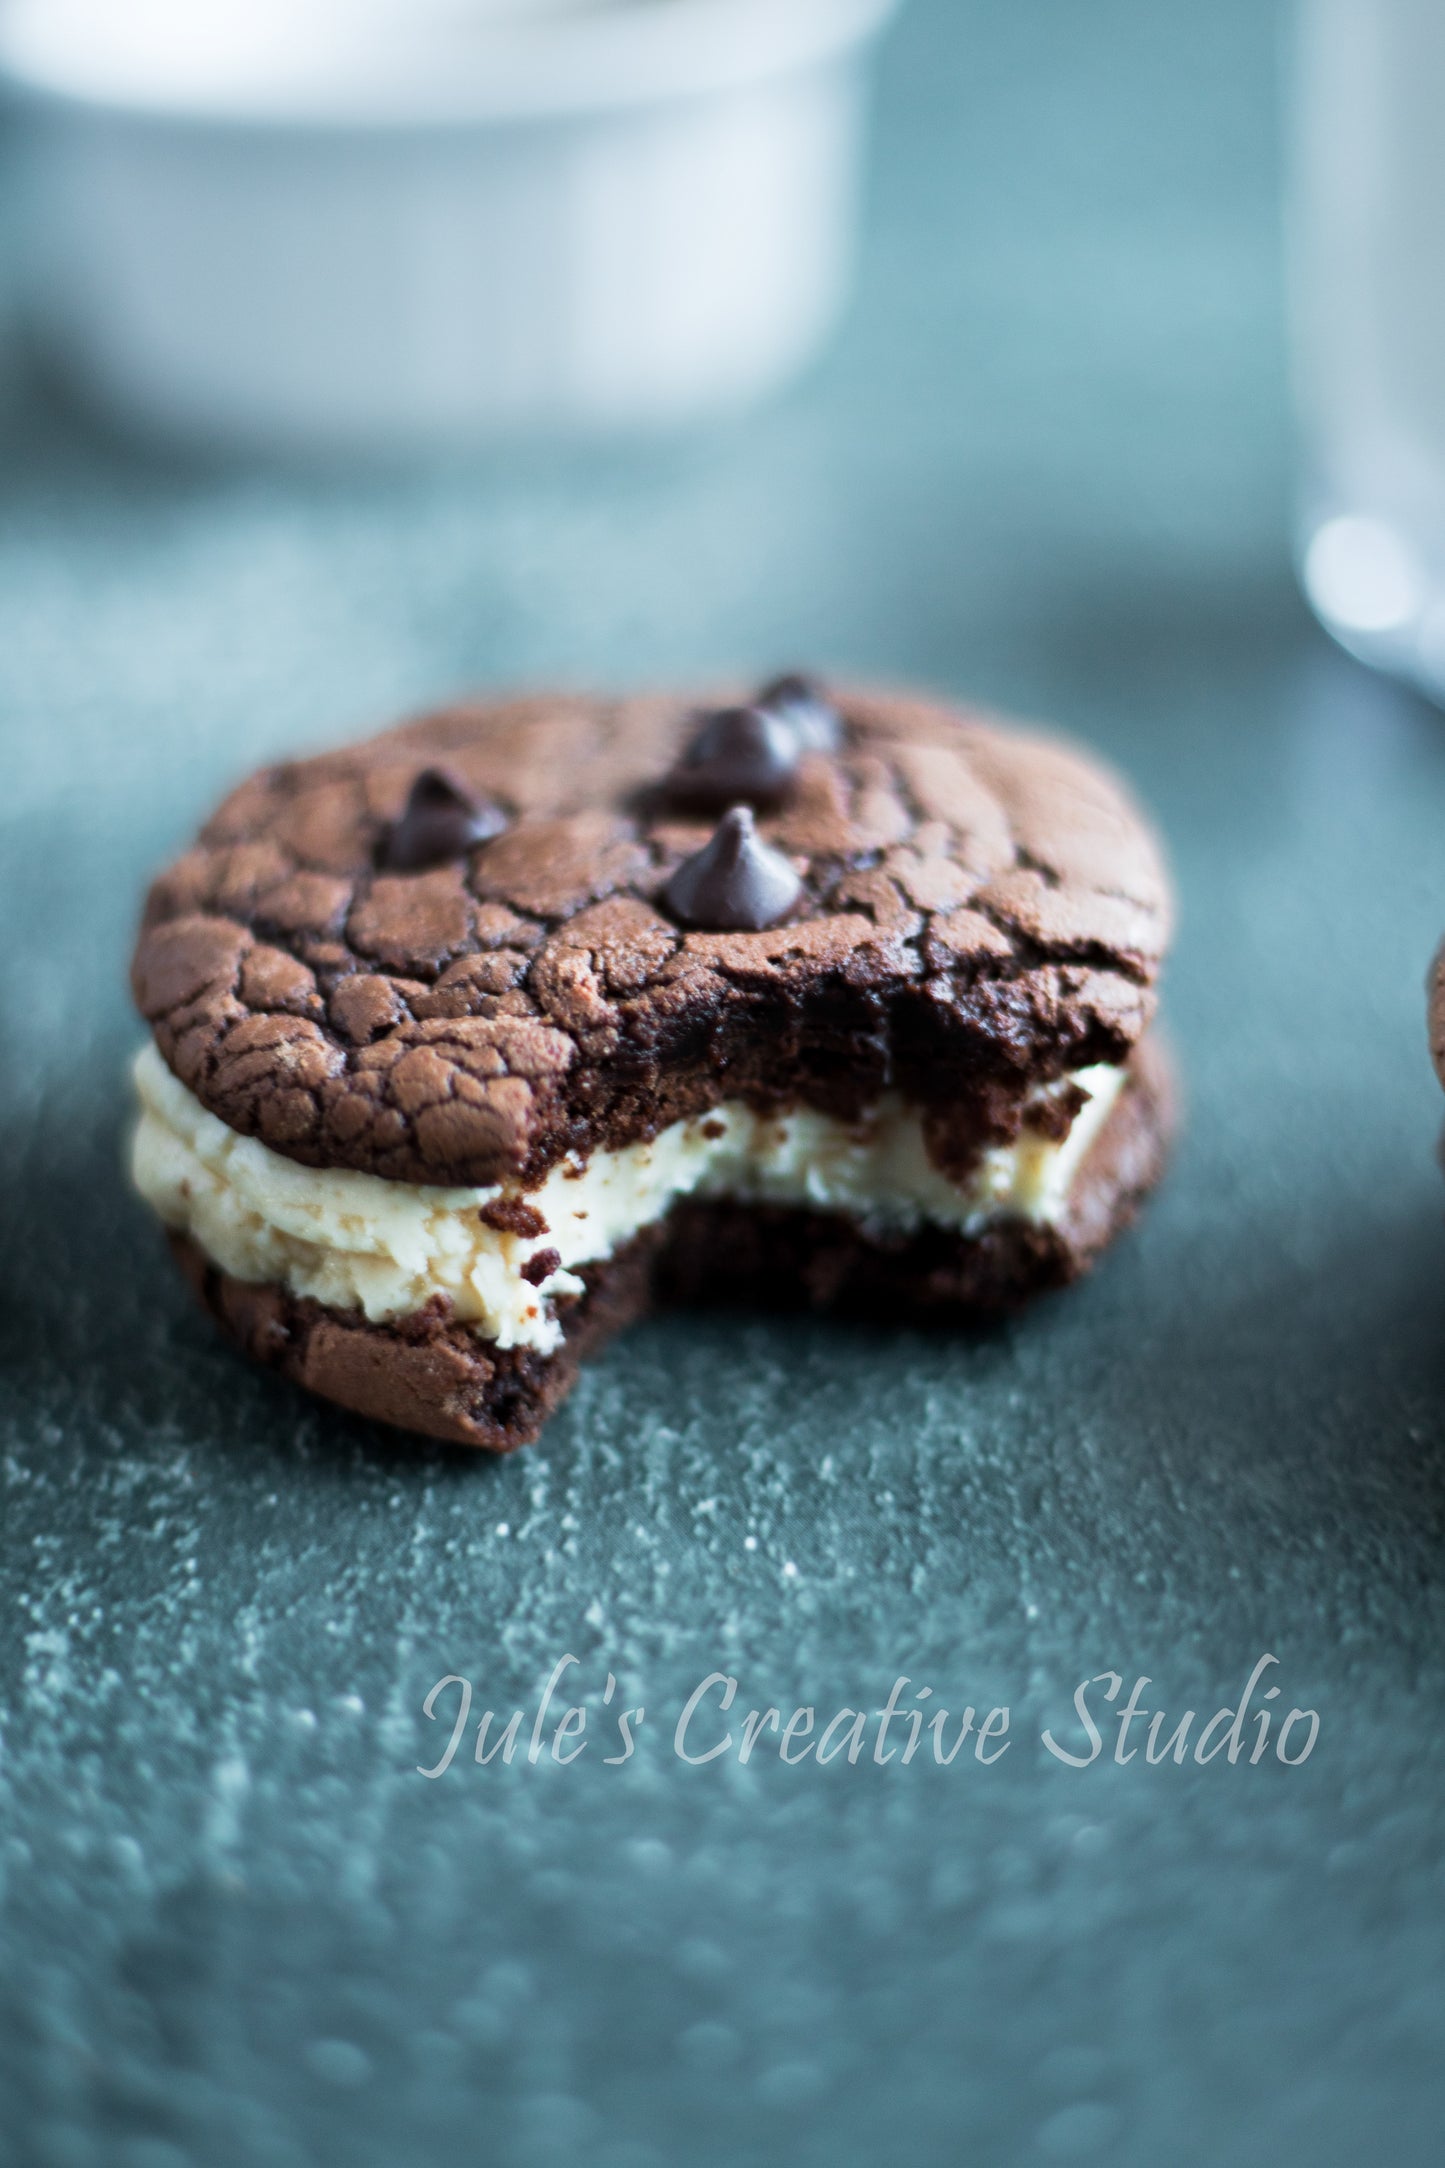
x,y
982,910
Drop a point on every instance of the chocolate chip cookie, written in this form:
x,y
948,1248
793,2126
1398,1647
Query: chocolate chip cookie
x,y
473,1040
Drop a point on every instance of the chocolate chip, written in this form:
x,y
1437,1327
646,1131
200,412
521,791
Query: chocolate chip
x,y
736,882
541,1267
442,820
736,755
802,704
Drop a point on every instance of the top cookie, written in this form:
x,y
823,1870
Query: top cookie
x,y
965,912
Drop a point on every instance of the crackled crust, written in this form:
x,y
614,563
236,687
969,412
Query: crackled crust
x,y
983,911
427,1373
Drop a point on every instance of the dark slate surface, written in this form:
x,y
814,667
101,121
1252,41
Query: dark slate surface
x,y
1048,464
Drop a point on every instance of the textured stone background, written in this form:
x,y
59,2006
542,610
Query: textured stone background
x,y
1047,464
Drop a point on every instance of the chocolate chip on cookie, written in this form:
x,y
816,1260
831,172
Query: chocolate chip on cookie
x,y
804,706
441,820
736,755
735,882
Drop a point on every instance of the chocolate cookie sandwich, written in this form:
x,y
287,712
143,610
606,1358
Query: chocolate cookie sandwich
x,y
474,1039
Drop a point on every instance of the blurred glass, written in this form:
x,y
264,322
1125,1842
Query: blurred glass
x,y
1367,274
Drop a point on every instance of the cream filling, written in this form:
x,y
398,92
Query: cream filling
x,y
354,1241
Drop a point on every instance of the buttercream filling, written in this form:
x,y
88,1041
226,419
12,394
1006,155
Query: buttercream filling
x,y
358,1242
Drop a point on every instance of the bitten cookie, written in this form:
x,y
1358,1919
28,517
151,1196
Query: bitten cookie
x,y
474,1039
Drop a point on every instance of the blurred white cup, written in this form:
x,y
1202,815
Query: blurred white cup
x,y
1367,275
331,225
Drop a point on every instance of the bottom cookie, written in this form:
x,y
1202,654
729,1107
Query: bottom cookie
x,y
427,1373
782,1258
